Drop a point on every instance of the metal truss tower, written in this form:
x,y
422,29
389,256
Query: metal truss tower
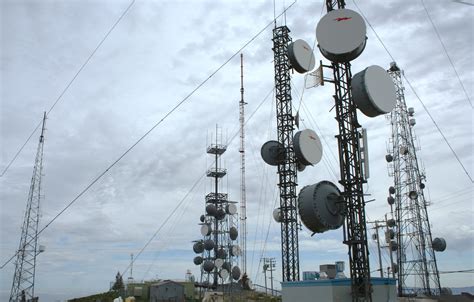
x,y
416,260
23,287
287,169
243,198
355,232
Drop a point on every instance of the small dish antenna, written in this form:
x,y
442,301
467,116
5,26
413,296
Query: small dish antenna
x,y
301,56
209,244
206,229
277,215
224,274
273,153
211,209
374,91
233,233
235,273
321,207
198,260
208,266
219,262
231,209
439,244
198,247
341,35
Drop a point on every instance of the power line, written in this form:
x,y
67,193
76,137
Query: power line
x,y
149,131
446,52
418,97
70,83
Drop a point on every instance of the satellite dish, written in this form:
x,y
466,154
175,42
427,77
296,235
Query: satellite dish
x,y
224,274
206,229
374,91
235,273
208,266
301,56
198,247
231,209
391,190
221,253
439,244
308,147
202,218
341,35
300,167
211,209
233,233
219,262
321,207
197,260
209,244
277,215
390,200
389,158
391,222
273,153
235,251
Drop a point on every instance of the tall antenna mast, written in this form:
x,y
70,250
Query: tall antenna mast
x,y
23,287
416,260
243,198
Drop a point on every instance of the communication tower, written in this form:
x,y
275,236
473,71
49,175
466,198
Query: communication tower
x,y
23,287
287,166
416,260
218,248
243,198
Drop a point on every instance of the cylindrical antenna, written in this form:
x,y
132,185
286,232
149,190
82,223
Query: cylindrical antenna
x,y
243,201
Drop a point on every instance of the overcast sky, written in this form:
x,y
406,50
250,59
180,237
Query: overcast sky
x,y
159,53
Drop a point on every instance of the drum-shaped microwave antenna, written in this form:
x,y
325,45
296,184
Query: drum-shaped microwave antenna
x,y
439,244
224,274
221,253
235,273
235,251
233,233
231,209
209,244
308,147
390,200
198,247
197,260
206,229
391,190
321,207
202,218
374,91
211,209
391,223
389,158
413,195
393,245
389,235
277,215
301,56
273,153
208,266
220,214
227,266
219,262
341,35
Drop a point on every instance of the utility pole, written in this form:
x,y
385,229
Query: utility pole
x,y
377,226
390,251
23,287
269,265
265,267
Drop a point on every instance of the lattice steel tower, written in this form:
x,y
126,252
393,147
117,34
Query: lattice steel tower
x,y
355,233
243,198
23,287
416,260
287,168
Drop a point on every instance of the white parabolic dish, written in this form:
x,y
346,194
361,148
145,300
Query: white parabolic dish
x,y
374,91
301,56
341,35
308,147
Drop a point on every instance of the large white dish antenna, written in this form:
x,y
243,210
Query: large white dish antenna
x,y
308,147
301,56
341,35
374,91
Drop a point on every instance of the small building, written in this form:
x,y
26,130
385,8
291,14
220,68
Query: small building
x,y
167,290
332,290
